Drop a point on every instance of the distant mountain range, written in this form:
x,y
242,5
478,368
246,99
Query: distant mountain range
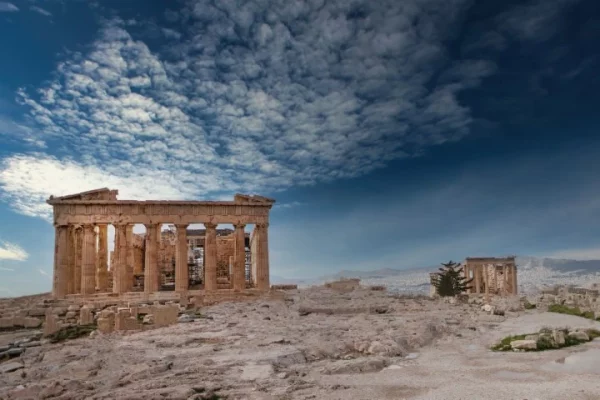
x,y
534,273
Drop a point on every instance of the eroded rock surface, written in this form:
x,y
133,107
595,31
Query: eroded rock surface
x,y
368,345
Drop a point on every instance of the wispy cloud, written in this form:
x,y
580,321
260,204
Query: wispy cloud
x,y
11,251
7,7
6,269
577,254
248,100
289,205
535,20
43,272
40,10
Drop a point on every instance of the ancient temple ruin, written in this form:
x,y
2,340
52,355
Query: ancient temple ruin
x,y
175,258
492,275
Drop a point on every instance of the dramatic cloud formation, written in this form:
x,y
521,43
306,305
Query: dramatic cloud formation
x,y
7,7
10,251
254,98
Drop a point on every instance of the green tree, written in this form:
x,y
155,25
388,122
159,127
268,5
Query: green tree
x,y
450,280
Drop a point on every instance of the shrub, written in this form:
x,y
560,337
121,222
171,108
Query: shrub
x,y
450,281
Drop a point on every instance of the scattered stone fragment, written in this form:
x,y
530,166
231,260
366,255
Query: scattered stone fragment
x,y
524,344
10,367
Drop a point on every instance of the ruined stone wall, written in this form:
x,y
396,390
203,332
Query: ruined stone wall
x,y
584,299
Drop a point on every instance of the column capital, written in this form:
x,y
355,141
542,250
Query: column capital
x,y
239,225
181,226
262,225
88,227
150,226
210,225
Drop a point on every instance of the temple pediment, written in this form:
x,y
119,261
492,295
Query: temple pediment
x,y
96,194
246,198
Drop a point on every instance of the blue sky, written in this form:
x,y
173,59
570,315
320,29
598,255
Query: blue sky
x,y
392,134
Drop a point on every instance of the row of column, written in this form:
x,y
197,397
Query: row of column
x,y
81,267
509,275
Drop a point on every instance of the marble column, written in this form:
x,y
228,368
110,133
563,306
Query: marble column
x,y
88,271
477,275
262,264
151,283
114,262
102,272
239,263
71,259
129,258
181,259
119,269
60,278
78,244
514,280
210,257
254,255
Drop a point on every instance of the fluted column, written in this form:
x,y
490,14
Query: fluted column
x,y
60,278
70,259
88,272
210,257
119,270
262,264
151,283
78,258
102,272
128,285
514,280
181,259
477,275
239,261
114,266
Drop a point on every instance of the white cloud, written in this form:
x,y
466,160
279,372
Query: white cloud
x,y
6,269
7,7
577,254
40,10
43,272
28,180
258,100
11,251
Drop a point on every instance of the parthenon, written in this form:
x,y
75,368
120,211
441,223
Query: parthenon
x,y
228,259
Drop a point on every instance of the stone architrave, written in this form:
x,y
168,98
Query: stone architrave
x,y
61,266
88,272
239,263
102,272
181,259
210,257
262,264
151,283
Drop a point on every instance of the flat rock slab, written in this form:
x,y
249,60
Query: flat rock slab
x,y
10,367
584,362
253,372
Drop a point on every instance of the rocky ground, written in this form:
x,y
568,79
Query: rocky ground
x,y
316,344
